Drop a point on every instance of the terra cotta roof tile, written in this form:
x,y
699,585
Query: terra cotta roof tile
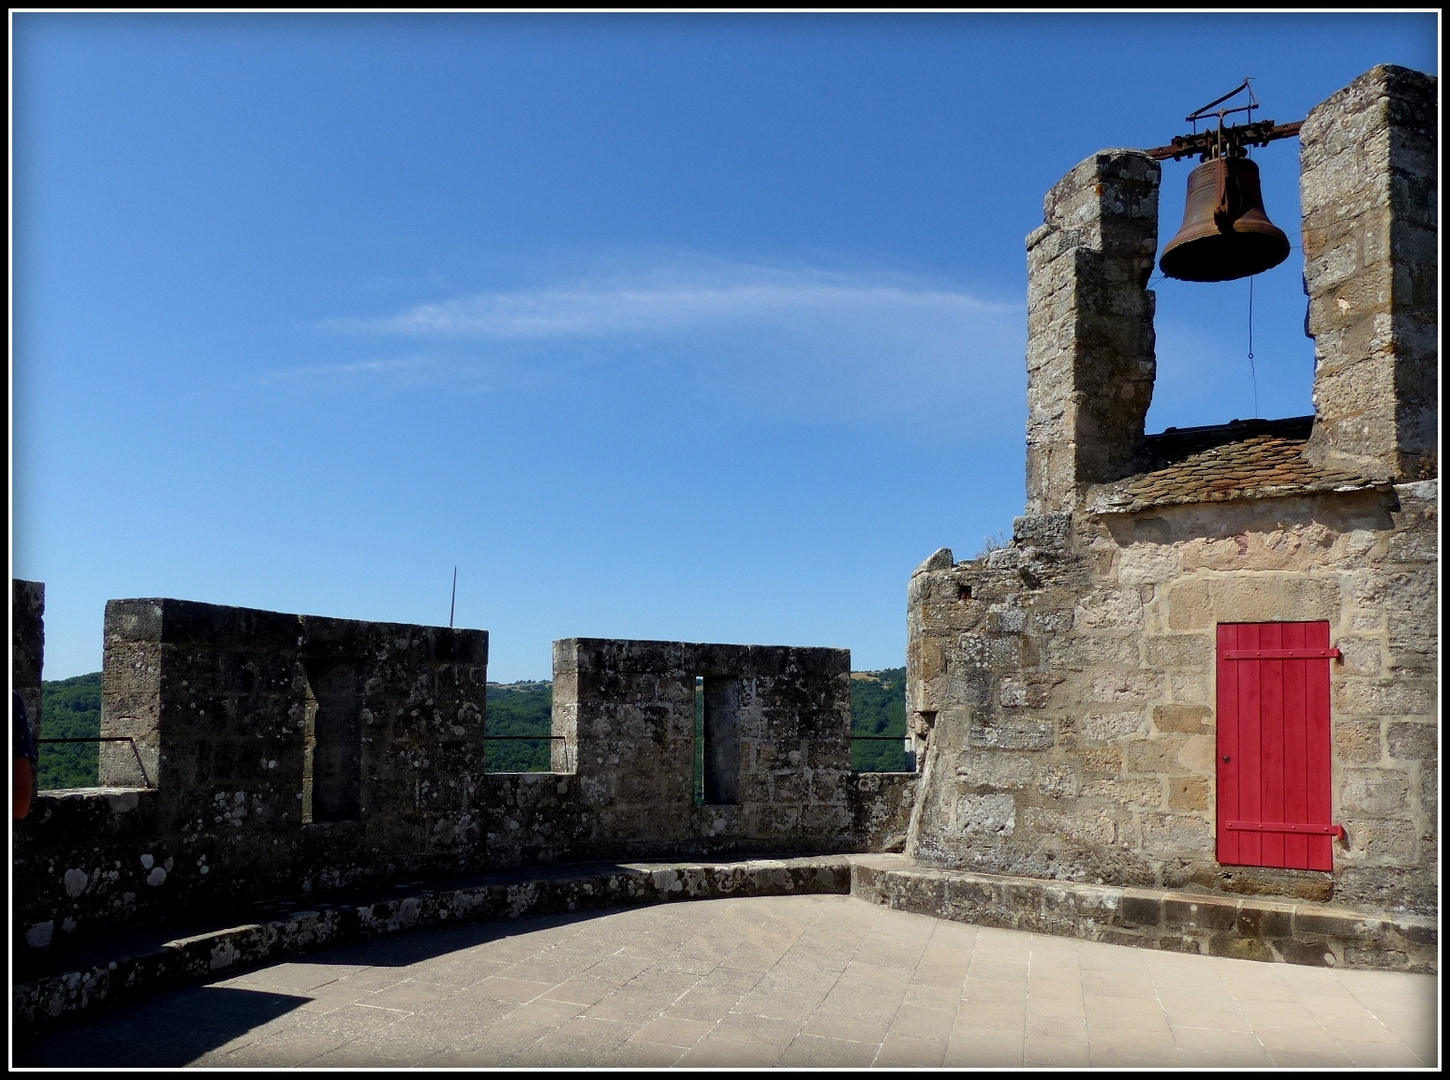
x,y
1245,459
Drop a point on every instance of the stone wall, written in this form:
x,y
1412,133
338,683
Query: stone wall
x,y
222,703
27,645
1370,194
1090,327
1069,678
784,757
286,755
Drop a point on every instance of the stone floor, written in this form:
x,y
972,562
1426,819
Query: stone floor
x,y
787,981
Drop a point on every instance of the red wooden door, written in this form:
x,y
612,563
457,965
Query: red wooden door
x,y
1274,806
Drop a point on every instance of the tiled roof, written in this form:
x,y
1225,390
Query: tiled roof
x,y
1245,459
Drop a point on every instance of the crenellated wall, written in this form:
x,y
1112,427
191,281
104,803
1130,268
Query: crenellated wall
x,y
283,755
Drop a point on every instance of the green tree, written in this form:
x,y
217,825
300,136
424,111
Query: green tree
x,y
70,709
515,709
878,708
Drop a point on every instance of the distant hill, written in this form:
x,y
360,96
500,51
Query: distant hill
x,y
69,709
878,707
521,708
72,708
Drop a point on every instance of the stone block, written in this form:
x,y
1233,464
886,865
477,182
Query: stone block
x,y
1326,923
1137,910
1375,792
1126,687
1263,920
1382,840
1175,834
1412,741
1307,953
1139,793
1109,609
1237,947
1147,564
1079,826
1102,761
1011,732
1162,756
1190,793
1358,741
1402,697
1275,597
1205,913
1059,781
1189,605
1361,656
1180,650
1105,727
996,769
993,815
1081,651
1183,719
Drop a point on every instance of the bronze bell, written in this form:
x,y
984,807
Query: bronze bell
x,y
1225,232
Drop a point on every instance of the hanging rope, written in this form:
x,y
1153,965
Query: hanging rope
x,y
1253,375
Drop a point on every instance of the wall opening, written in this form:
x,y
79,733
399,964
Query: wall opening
x,y
880,735
1246,338
519,729
717,740
332,754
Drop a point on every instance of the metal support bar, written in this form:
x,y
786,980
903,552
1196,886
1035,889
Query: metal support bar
x,y
1288,827
108,738
1260,133
1330,653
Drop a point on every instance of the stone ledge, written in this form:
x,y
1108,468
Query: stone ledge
x,y
144,964
1249,928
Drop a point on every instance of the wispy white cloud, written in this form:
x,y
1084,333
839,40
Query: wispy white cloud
x,y
828,344
599,309
413,366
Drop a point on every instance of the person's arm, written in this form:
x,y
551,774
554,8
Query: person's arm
x,y
23,770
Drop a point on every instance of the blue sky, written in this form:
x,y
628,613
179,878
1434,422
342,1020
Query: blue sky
x,y
702,327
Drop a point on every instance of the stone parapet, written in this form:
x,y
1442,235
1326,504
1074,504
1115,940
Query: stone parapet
x,y
287,755
1246,928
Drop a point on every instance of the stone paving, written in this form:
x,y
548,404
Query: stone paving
x,y
824,981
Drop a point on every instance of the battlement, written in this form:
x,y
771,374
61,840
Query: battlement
x,y
262,754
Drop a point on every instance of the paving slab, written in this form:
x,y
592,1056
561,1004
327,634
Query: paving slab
x,y
826,981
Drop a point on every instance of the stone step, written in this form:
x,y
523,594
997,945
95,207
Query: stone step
x,y
1248,927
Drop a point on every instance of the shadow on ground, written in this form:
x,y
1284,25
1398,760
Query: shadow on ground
x,y
194,1020
176,1027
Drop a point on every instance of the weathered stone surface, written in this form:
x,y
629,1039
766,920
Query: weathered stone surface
x,y
1412,740
1183,719
1358,741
